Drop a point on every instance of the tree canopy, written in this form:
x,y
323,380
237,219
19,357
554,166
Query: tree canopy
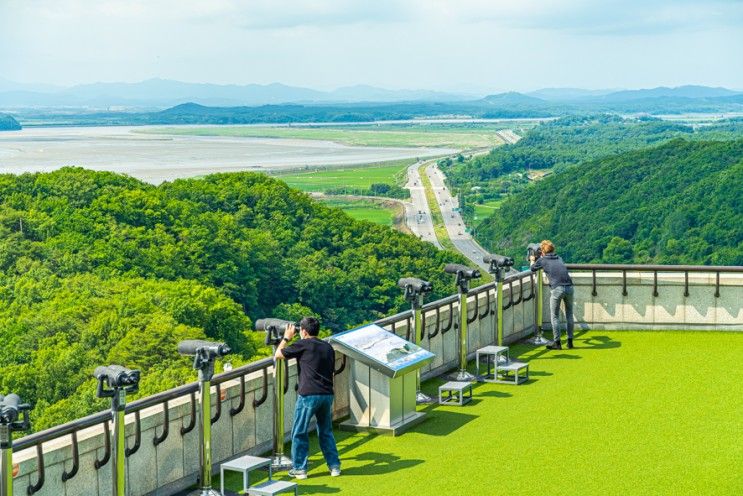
x,y
99,268
678,203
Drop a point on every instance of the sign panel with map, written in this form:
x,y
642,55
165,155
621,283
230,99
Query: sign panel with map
x,y
381,349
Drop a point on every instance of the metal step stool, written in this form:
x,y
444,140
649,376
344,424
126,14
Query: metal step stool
x,y
503,372
244,464
456,392
270,488
492,354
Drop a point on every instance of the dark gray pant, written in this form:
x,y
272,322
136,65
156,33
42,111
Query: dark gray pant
x,y
561,293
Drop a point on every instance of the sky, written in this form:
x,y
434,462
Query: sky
x,y
477,46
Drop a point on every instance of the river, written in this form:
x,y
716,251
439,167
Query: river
x,y
158,158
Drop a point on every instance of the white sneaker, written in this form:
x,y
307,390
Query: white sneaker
x,y
298,474
335,472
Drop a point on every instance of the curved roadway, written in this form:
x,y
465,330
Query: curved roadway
x,y
418,212
455,226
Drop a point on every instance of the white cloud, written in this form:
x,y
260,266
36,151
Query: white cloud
x,y
497,44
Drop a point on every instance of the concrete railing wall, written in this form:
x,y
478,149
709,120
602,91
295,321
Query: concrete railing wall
x,y
670,301
172,465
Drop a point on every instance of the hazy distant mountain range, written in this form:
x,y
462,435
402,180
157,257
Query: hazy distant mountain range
x,y
163,93
156,94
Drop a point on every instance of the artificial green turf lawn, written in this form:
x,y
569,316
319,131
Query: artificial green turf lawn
x,y
624,413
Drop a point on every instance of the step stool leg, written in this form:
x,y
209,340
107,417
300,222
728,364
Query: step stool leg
x,y
221,480
246,481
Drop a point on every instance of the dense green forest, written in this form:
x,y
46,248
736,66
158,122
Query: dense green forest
x,y
8,123
97,267
570,140
681,202
555,145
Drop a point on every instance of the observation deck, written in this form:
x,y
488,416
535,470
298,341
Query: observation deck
x,y
656,411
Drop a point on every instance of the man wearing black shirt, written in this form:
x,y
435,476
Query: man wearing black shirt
x,y
316,364
561,289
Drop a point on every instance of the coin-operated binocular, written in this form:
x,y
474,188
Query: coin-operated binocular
x,y
533,250
463,275
115,382
415,289
205,353
13,418
275,329
497,266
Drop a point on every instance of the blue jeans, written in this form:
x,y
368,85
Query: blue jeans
x,y
561,293
321,407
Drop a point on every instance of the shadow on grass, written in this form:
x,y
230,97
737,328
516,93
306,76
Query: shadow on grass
x,y
301,487
597,343
582,342
495,394
316,489
379,463
444,422
562,356
540,373
359,439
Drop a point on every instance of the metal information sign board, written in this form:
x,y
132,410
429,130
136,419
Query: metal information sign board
x,y
382,350
383,383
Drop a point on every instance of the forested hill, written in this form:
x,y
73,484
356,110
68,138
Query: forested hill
x,y
99,268
8,123
575,139
678,203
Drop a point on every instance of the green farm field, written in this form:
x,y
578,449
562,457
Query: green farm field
x,y
379,212
413,135
361,177
486,209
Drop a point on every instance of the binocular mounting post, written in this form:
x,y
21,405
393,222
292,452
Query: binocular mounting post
x,y
10,410
463,274
114,382
538,339
204,353
415,289
279,461
534,250
498,274
274,333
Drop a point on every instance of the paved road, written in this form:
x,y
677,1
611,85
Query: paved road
x,y
417,212
453,220
509,136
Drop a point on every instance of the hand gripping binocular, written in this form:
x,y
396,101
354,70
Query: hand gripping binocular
x,y
275,329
